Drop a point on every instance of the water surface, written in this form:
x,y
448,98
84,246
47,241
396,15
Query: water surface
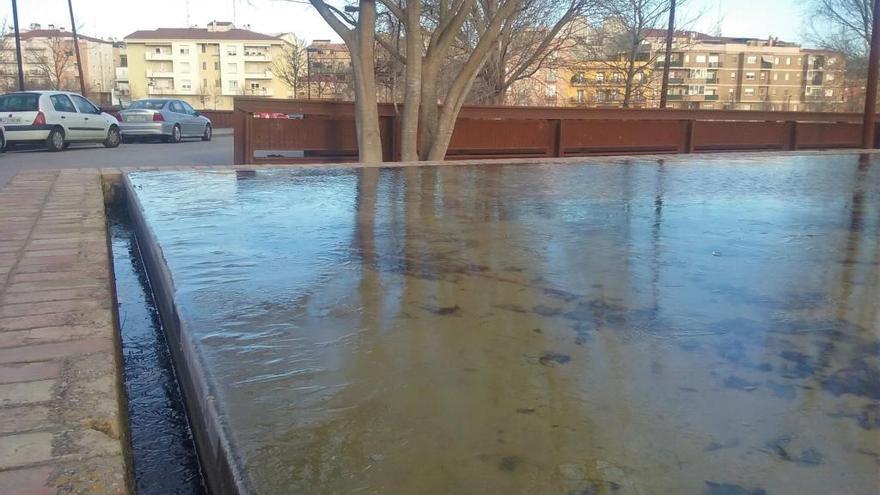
x,y
699,325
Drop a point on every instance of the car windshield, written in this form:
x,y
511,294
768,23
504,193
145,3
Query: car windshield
x,y
20,102
147,105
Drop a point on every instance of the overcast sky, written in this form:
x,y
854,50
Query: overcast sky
x,y
118,18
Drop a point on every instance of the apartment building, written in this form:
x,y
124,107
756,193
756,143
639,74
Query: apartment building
x,y
706,72
328,71
709,72
206,67
49,62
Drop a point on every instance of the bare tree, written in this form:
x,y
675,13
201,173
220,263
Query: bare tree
x,y
541,31
52,62
359,35
290,67
844,26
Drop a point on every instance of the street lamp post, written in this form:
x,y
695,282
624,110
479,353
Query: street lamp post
x,y
871,89
18,46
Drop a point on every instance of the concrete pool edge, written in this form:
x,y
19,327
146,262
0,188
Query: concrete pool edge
x,y
224,471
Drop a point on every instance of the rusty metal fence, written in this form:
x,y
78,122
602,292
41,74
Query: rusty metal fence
x,y
219,118
324,131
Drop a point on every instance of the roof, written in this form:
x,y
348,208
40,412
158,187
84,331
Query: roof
x,y
42,92
336,47
56,33
199,34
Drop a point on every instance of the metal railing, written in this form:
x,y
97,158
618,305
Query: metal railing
x,y
325,131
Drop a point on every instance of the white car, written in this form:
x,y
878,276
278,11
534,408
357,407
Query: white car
x,y
56,118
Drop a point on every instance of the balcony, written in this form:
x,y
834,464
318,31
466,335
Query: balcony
x,y
162,74
266,74
676,80
159,91
674,97
258,92
714,64
122,73
673,63
712,80
256,57
711,97
158,56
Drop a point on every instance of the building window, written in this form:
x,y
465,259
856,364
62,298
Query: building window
x,y
216,65
752,59
204,48
786,76
185,84
600,77
123,60
255,85
184,50
775,77
749,91
184,67
733,75
787,60
776,60
232,50
830,77
829,93
204,65
204,83
750,76
233,85
701,59
217,83
232,68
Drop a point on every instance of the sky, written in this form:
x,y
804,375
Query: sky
x,y
118,18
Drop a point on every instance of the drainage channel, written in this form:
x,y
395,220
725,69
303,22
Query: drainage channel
x,y
164,455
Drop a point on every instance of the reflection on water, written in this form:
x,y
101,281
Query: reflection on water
x,y
703,325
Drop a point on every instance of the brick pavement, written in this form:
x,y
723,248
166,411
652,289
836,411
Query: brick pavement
x,y
60,421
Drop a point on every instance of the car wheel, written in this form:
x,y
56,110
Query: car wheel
x,y
113,138
67,144
208,133
55,141
175,134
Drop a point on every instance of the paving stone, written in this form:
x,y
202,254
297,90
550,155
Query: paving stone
x,y
25,418
15,394
28,372
45,352
30,481
24,449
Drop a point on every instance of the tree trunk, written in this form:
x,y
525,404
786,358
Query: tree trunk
x,y
445,124
428,110
364,68
409,128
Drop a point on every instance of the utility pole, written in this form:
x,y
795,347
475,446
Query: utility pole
x,y
18,58
664,88
79,65
871,88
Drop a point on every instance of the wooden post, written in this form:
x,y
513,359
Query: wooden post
x,y
790,143
664,88
248,139
686,145
871,88
79,65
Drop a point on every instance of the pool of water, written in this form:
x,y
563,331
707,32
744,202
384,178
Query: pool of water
x,y
704,324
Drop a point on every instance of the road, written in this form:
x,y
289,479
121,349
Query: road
x,y
216,152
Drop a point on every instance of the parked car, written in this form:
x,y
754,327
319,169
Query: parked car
x,y
168,119
2,139
56,118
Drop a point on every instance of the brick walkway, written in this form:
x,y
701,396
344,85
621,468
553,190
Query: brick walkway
x,y
59,392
